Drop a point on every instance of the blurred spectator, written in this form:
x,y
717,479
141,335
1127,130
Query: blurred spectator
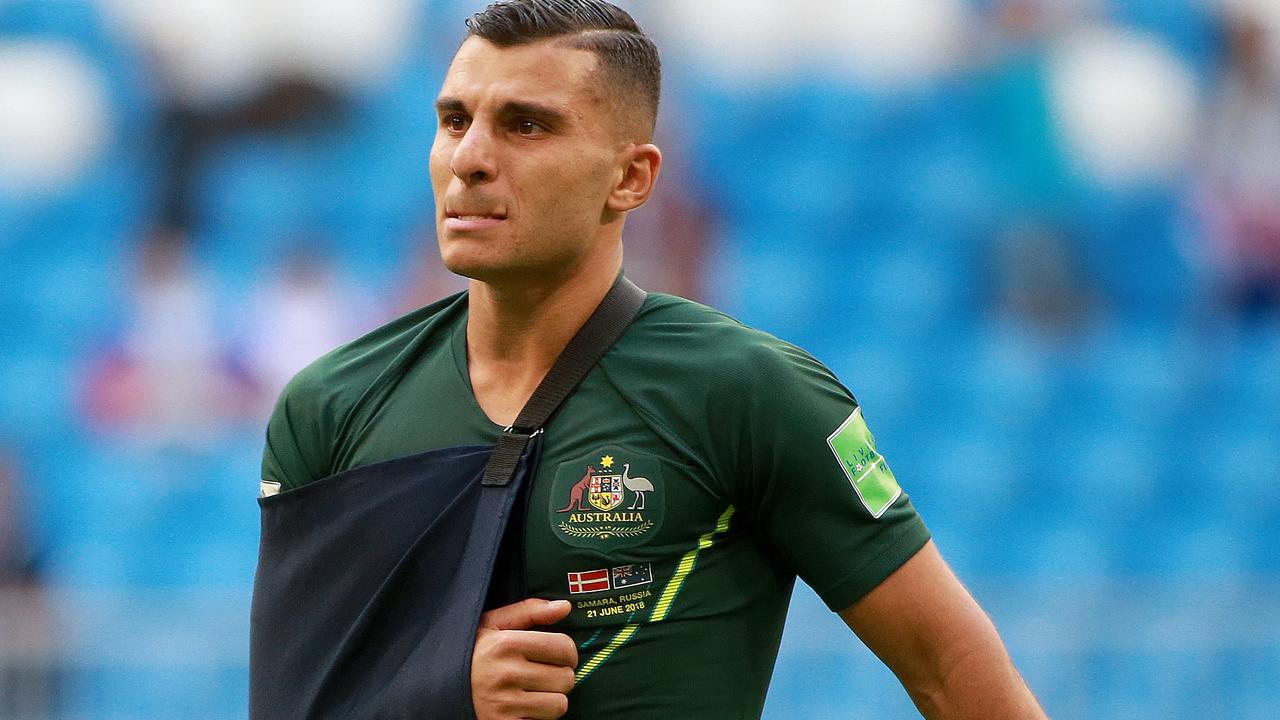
x,y
1038,277
1090,122
237,67
1040,280
1018,120
26,643
191,133
166,382
301,314
1240,189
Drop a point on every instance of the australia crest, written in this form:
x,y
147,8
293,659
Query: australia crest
x,y
605,491
611,499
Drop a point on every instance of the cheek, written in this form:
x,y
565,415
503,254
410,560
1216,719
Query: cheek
x,y
575,193
438,164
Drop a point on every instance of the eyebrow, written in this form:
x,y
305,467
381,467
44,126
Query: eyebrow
x,y
511,107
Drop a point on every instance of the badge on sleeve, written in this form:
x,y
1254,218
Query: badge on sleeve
x,y
866,469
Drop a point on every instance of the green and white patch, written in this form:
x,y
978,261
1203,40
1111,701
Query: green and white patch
x,y
866,469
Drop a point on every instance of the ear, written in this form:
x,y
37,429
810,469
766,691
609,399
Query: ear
x,y
638,177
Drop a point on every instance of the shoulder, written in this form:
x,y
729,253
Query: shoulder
x,y
699,344
310,417
338,378
739,401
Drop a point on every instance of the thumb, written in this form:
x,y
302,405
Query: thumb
x,y
525,614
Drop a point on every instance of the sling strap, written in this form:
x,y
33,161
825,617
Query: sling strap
x,y
608,323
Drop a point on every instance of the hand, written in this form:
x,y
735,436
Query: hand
x,y
521,673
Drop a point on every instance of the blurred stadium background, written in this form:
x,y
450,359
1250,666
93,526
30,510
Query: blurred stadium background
x,y
1039,239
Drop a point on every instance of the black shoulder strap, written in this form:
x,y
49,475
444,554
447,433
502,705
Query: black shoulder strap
x,y
608,323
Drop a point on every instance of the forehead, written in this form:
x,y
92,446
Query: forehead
x,y
542,72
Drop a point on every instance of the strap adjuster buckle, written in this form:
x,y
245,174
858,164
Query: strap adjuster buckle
x,y
506,456
513,430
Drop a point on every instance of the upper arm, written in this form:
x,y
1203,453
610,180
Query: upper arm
x,y
299,436
916,614
817,491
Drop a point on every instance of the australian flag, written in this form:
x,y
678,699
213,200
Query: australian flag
x,y
631,575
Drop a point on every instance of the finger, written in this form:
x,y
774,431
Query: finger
x,y
543,706
526,614
535,677
539,647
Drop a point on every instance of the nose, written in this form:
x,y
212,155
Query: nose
x,y
473,162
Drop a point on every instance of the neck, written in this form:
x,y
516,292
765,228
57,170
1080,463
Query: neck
x,y
516,330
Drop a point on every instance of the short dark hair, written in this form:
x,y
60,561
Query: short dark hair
x,y
629,62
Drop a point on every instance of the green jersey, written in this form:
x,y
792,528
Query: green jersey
x,y
699,468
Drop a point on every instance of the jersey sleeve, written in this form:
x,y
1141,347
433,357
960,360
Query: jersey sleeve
x,y
300,434
821,497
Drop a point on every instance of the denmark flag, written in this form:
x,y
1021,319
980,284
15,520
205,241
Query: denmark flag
x,y
589,581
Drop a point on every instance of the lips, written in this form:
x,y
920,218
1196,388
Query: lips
x,y
474,214
477,216
470,220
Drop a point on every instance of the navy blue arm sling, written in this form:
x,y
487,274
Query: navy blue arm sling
x,y
371,582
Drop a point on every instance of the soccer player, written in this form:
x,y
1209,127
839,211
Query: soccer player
x,y
699,468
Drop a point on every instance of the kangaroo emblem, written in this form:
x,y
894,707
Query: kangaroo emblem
x,y
578,491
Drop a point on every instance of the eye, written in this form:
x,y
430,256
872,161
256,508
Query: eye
x,y
529,127
454,123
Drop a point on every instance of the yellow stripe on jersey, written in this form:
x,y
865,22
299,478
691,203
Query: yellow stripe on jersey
x,y
660,610
686,566
618,641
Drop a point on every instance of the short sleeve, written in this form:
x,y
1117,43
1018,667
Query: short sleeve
x,y
821,497
300,434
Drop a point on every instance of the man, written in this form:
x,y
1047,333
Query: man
x,y
698,468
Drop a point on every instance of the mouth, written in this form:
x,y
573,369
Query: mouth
x,y
471,221
476,216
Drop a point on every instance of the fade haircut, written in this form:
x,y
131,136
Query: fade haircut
x,y
630,70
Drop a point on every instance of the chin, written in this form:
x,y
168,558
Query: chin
x,y
498,260
465,257
467,269
476,265
497,271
